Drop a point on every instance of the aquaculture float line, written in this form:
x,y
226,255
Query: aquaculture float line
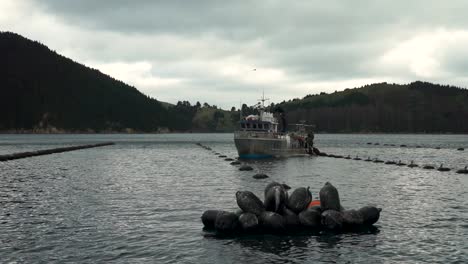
x,y
406,146
399,163
28,154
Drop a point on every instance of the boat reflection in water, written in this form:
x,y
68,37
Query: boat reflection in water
x,y
259,137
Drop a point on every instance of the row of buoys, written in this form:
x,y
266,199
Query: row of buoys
x,y
399,163
405,146
281,212
203,146
28,154
243,167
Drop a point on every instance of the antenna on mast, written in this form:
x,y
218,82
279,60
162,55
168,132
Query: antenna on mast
x,y
263,99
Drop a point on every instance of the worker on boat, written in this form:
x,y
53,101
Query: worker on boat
x,y
283,122
310,142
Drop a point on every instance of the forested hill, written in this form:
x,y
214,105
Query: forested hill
x,y
43,90
418,107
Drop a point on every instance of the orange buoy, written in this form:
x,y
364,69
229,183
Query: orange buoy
x,y
314,203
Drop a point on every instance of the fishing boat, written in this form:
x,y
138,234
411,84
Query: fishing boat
x,y
259,137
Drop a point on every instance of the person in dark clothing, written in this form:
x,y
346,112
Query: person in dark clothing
x,y
283,122
310,142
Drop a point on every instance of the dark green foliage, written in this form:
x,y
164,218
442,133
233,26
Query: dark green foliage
x,y
418,107
41,89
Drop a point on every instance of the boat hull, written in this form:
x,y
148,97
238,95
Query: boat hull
x,y
261,148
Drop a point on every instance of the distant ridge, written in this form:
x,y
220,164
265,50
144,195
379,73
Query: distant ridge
x,y
42,91
418,107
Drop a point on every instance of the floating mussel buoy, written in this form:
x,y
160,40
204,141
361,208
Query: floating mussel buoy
x,y
348,157
437,147
248,221
332,220
228,159
370,214
226,222
357,158
463,171
413,165
329,198
272,221
299,199
390,162
352,218
260,176
269,186
339,156
368,159
403,146
369,143
376,144
275,198
209,217
236,162
291,219
245,168
378,160
222,156
322,154
442,168
310,218
249,202
428,167
460,149
400,163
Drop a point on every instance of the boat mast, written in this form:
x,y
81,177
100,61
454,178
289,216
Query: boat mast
x,y
263,99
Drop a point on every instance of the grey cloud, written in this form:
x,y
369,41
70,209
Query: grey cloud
x,y
310,41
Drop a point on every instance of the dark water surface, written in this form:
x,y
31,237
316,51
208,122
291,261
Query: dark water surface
x,y
140,200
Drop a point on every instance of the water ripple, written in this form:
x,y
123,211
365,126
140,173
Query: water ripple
x,y
141,201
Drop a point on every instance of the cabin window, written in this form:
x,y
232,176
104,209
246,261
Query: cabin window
x,y
243,125
248,125
254,126
260,126
266,126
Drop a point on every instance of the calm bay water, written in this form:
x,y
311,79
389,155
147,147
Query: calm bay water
x,y
140,200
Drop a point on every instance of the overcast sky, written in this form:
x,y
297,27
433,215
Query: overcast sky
x,y
207,50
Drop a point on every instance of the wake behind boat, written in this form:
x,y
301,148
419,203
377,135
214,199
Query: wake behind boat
x,y
259,137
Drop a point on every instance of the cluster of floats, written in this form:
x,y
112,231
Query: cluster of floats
x,y
284,213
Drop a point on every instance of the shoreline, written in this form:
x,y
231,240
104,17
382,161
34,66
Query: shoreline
x,y
9,132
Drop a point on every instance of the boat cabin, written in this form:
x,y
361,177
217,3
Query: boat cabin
x,y
255,125
263,123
